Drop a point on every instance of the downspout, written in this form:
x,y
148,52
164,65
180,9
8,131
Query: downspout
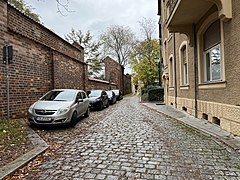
x,y
175,70
195,70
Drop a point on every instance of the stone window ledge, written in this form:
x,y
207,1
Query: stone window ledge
x,y
213,85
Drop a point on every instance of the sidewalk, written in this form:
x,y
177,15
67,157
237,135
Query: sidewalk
x,y
199,124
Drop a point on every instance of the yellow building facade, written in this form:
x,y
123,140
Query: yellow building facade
x,y
201,58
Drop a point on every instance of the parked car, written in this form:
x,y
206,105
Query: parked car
x,y
118,93
98,99
59,106
111,97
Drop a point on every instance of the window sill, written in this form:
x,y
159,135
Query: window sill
x,y
213,85
184,87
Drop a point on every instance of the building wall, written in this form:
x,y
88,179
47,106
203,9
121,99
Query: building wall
x,y
42,61
114,72
94,84
127,84
219,100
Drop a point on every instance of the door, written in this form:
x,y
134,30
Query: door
x,y
79,106
85,102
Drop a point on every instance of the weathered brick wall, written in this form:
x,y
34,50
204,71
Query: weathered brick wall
x,y
42,61
114,72
127,84
68,73
30,75
21,24
100,84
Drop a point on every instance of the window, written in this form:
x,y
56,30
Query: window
x,y
84,95
184,65
171,70
212,53
213,64
79,96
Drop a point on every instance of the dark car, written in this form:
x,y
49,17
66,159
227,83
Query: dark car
x,y
118,94
98,99
112,98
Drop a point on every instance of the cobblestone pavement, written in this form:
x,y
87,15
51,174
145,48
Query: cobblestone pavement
x,y
130,141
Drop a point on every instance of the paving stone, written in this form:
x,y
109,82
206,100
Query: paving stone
x,y
130,141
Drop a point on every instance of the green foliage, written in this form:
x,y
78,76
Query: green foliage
x,y
11,132
144,97
92,53
26,9
144,91
156,94
143,61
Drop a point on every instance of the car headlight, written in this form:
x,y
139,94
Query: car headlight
x,y
98,99
63,110
31,109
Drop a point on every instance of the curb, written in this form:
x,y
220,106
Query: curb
x,y
39,147
229,141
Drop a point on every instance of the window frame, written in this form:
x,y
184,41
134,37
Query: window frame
x,y
183,59
210,68
202,29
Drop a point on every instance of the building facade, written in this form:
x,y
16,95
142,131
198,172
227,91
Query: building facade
x,y
201,58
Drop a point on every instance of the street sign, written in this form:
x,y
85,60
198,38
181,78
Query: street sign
x,y
7,54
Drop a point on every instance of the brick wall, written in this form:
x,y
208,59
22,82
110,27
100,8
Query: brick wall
x,y
127,84
100,84
42,61
114,72
21,24
68,73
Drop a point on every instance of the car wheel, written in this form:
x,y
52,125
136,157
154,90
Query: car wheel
x,y
87,113
73,119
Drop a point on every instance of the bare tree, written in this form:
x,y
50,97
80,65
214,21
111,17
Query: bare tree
x,y
63,6
148,28
118,42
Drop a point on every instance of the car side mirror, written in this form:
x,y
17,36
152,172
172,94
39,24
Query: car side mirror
x,y
80,100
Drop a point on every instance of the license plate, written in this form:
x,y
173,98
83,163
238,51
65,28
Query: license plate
x,y
39,118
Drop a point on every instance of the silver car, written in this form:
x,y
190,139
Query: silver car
x,y
59,106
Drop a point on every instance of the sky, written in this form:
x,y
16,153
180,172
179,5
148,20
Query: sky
x,y
95,15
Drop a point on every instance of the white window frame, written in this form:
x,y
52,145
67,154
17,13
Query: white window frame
x,y
205,64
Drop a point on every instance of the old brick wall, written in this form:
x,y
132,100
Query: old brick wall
x,y
68,73
114,72
127,84
42,61
21,24
100,84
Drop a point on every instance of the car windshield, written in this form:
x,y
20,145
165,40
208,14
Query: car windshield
x,y
59,96
116,92
95,93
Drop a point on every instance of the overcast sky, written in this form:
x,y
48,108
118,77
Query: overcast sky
x,y
94,15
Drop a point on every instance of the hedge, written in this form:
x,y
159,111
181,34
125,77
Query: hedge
x,y
156,94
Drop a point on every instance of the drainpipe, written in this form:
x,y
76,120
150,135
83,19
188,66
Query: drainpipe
x,y
175,69
195,70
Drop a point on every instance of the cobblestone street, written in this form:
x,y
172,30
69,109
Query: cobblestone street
x,y
130,141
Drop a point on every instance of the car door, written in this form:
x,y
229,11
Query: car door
x,y
79,106
105,97
85,102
